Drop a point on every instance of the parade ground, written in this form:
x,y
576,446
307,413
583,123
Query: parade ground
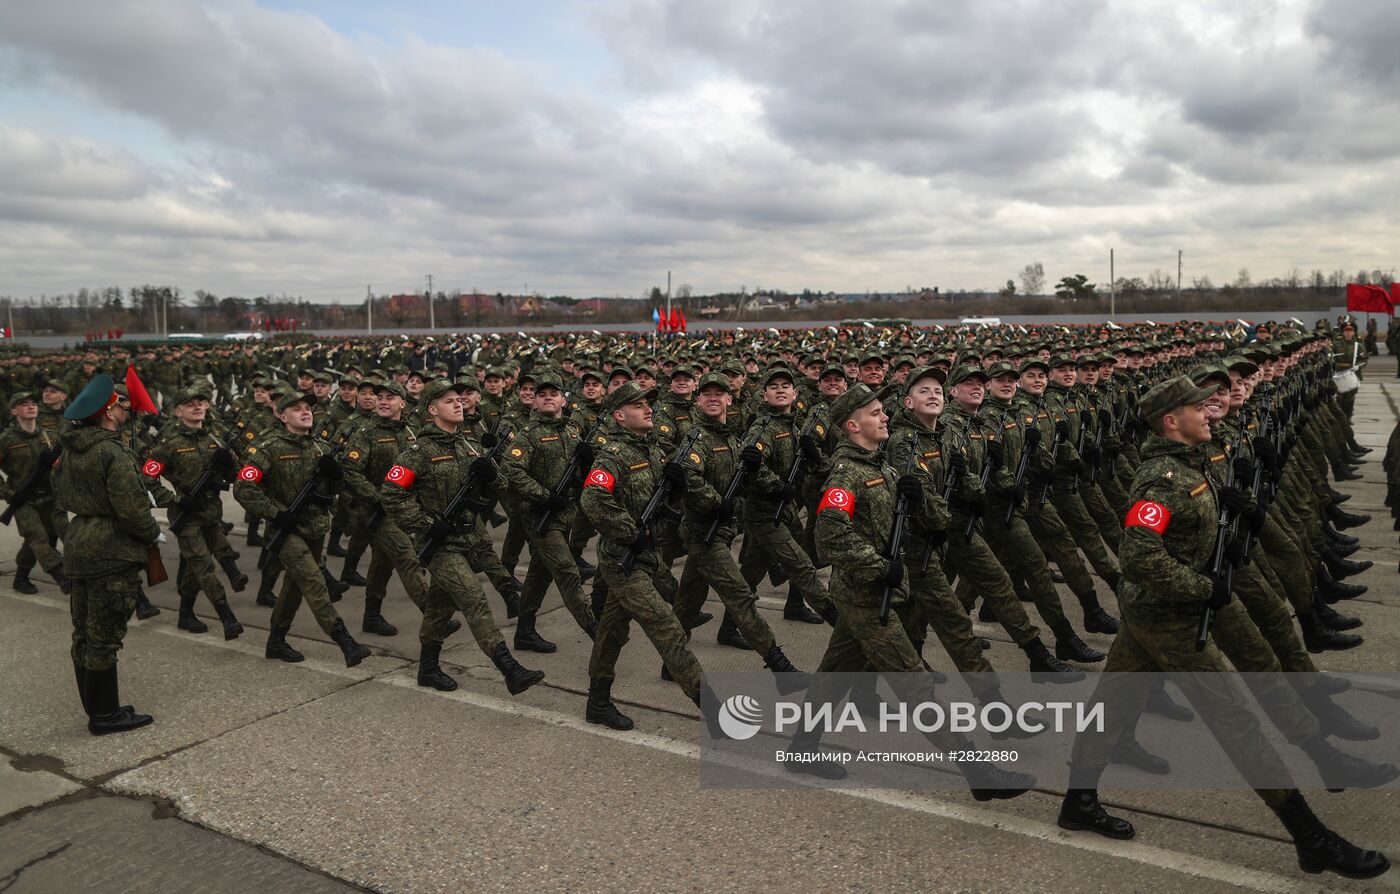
x,y
264,776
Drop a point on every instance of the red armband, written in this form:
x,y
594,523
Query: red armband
x,y
838,498
153,468
401,476
251,473
602,478
1146,514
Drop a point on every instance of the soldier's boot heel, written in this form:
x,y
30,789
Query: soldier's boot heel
x,y
106,714
1335,619
254,537
1319,637
1081,811
989,782
1129,752
1161,704
232,629
510,590
374,622
788,678
729,635
1322,850
350,574
266,597
1069,647
22,583
188,621
335,588
794,609
1341,567
430,673
354,652
517,678
277,647
601,709
237,580
586,571
1047,668
527,639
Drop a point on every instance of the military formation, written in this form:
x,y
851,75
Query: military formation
x,y
899,480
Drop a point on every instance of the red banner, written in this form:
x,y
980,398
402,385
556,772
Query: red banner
x,y
136,392
1369,299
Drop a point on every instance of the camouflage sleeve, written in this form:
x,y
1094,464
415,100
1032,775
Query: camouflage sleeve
x,y
1145,559
970,488
515,469
356,459
840,541
701,496
600,503
128,498
1004,478
248,488
396,492
157,459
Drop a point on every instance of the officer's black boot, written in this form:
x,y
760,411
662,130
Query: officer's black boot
x,y
336,588
1161,704
430,673
510,595
1129,752
278,648
22,583
351,573
1343,568
788,678
1333,718
266,597
1337,537
1338,498
1333,590
1048,667
794,609
106,714
237,580
232,629
1318,637
333,547
601,708
1096,620
1342,519
527,639
1320,849
188,621
729,635
1069,647
374,622
1333,618
254,538
144,609
989,782
1081,811
353,651
518,678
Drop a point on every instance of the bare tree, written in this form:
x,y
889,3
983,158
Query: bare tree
x,y
1033,279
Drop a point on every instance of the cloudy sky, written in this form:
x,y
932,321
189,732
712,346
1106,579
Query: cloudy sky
x,y
316,146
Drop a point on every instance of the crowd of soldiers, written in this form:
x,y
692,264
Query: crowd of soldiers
x,y
1013,459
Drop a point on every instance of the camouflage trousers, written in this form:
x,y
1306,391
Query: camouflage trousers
x,y
1216,697
982,574
482,556
100,607
515,536
1109,521
551,560
302,579
454,587
1015,547
769,543
634,597
1082,528
197,540
932,604
1058,545
392,550
713,565
41,524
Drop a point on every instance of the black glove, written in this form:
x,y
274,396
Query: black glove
x,y
1086,418
786,494
1017,495
1092,455
1078,467
330,468
751,456
1244,469
284,519
1219,593
439,531
1234,551
910,488
554,501
811,450
1256,521
1032,437
894,573
674,472
641,543
489,439
957,464
187,504
938,538
483,470
316,498
1105,418
1062,429
1264,449
996,452
723,512
583,453
1232,500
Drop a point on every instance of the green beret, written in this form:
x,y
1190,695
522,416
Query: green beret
x,y
1166,396
626,394
95,397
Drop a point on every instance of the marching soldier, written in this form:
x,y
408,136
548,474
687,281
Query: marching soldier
x,y
27,450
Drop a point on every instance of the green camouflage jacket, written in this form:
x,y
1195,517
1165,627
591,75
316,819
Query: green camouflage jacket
x,y
181,456
274,471
534,462
19,451
425,477
710,465
369,454
96,480
616,490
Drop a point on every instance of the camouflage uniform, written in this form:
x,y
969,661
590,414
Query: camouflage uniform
x,y
39,521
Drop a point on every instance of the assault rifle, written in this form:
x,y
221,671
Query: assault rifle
x,y
569,479
305,498
456,511
795,473
1221,566
950,484
894,550
653,507
742,471
41,469
213,479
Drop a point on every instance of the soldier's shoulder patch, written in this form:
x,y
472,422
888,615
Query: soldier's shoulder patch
x,y
820,430
250,434
602,439
1218,457
875,482
252,450
1200,488
695,458
517,452
762,447
353,454
664,428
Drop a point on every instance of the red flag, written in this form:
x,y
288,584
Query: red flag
x,y
678,310
1368,299
140,401
119,333
675,319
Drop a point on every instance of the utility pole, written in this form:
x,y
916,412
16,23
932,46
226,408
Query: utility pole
x,y
1112,290
369,310
668,298
1178,274
432,324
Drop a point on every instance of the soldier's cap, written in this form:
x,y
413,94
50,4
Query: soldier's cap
x,y
186,395
685,369
1033,363
925,372
497,371
377,374
436,389
348,378
626,394
293,396
1002,368
871,356
717,379
1242,365
1166,396
965,372
903,360
590,373
811,360
1202,373
393,388
1063,358
549,379
96,396
423,374
465,381
832,369
621,371
1090,359
56,384
323,377
776,373
20,397
851,400
732,368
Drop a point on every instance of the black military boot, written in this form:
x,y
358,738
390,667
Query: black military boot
x,y
1341,771
351,575
1335,619
1318,637
510,595
1320,849
232,629
518,678
1081,811
188,621
1096,620
62,580
333,547
278,648
1343,550
106,714
1341,519
830,615
336,588
1333,590
430,673
353,651
375,622
527,639
144,609
237,580
1069,647
80,673
1338,538
788,678
794,609
22,583
1334,719
1343,568
1129,751
585,570
601,708
709,706
1047,667
1161,704
1343,473
1337,497
254,538
989,782
266,597
985,613
226,527
729,635
598,598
